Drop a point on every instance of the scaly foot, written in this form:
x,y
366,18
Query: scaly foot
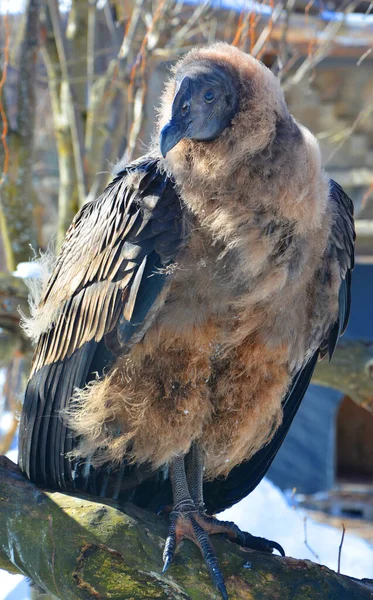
x,y
186,522
243,538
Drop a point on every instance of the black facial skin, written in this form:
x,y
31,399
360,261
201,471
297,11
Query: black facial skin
x,y
204,105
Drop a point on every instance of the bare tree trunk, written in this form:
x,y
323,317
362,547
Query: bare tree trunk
x,y
17,194
68,198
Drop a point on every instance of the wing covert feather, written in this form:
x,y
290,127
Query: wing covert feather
x,y
340,253
100,273
109,279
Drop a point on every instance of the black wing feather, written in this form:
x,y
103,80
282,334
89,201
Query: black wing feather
x,y
108,282
47,392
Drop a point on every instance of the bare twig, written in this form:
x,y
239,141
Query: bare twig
x,y
340,548
141,55
367,195
124,51
327,40
2,109
182,33
110,22
283,56
138,99
240,24
247,29
363,114
131,29
138,105
364,56
9,255
252,30
305,539
261,43
91,45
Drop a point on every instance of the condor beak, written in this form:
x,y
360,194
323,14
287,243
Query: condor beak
x,y
176,128
171,135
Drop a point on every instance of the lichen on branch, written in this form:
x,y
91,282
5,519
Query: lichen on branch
x,y
77,547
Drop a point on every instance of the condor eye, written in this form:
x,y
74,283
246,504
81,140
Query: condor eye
x,y
209,96
185,108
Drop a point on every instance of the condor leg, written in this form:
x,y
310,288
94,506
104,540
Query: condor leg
x,y
194,470
185,524
190,521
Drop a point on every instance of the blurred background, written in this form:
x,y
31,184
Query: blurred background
x,y
80,82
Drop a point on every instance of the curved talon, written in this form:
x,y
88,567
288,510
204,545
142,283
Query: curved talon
x,y
243,538
198,526
170,545
259,543
169,551
278,547
195,526
203,541
223,591
166,564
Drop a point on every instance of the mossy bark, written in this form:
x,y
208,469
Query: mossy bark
x,y
79,548
350,371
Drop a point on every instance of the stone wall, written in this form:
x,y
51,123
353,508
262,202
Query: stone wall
x,y
329,104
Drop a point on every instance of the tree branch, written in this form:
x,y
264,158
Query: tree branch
x,y
93,550
13,295
364,238
350,371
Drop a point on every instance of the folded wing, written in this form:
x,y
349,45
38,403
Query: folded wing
x,y
109,280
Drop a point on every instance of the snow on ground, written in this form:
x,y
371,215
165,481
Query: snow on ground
x,y
13,587
266,513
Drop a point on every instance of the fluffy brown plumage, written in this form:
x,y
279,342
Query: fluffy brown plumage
x,y
215,277
243,300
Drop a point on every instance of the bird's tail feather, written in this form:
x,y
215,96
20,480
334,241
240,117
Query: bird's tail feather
x,y
45,441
